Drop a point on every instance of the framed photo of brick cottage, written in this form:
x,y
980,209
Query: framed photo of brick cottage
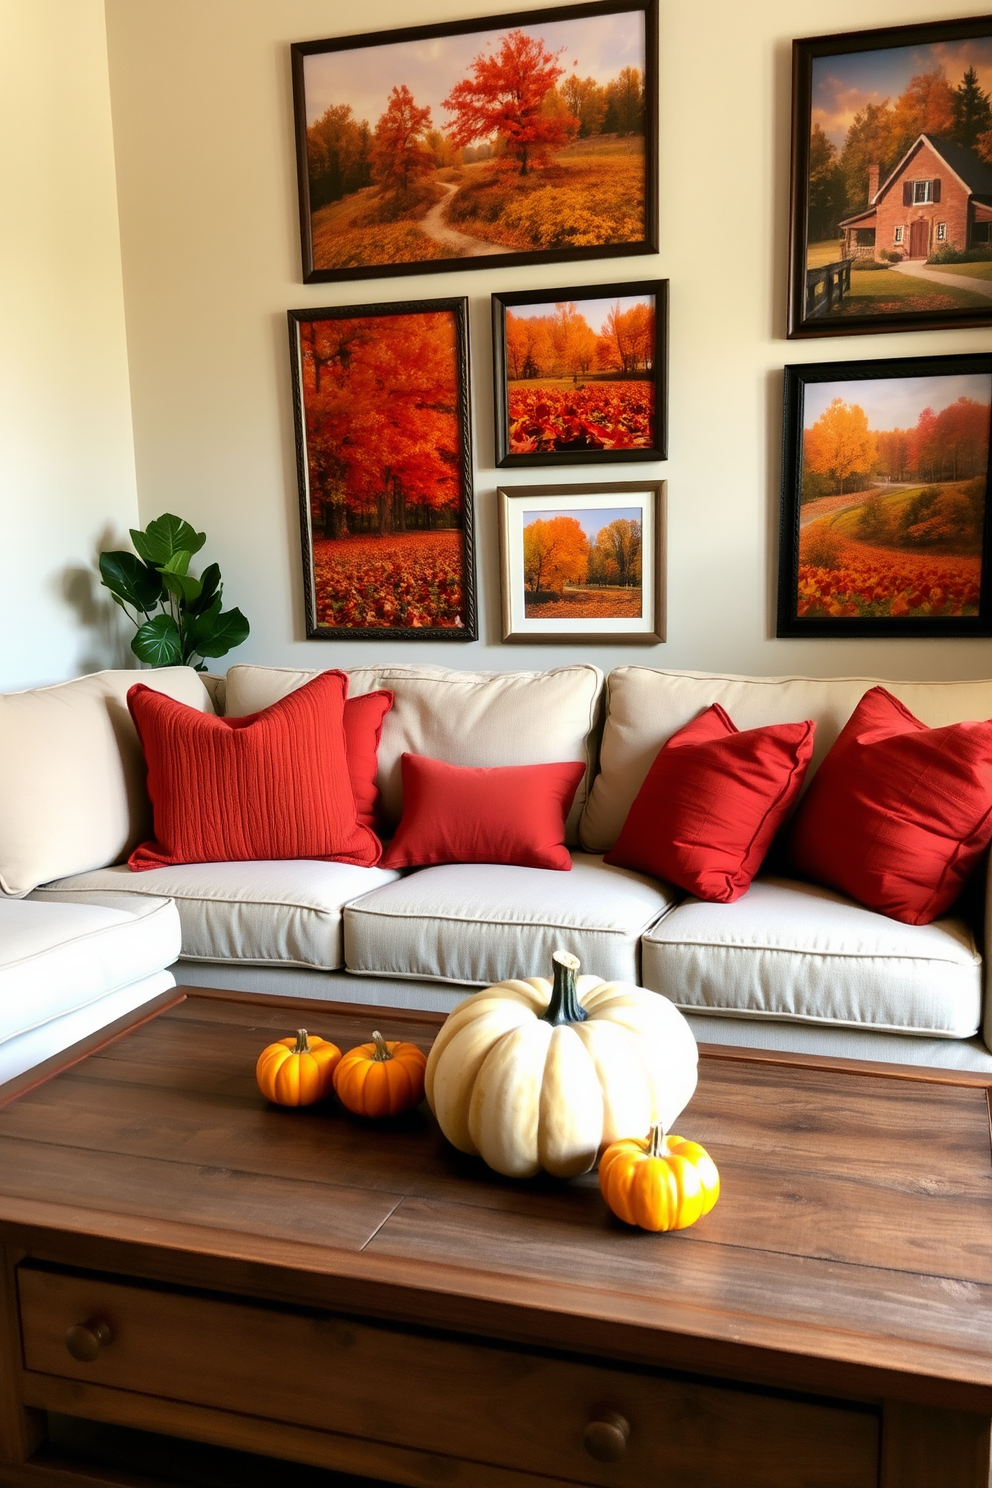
x,y
886,527
892,179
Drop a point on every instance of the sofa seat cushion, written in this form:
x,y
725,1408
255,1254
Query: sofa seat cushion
x,y
287,912
795,951
479,923
56,958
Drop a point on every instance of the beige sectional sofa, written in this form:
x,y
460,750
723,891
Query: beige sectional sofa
x,y
789,965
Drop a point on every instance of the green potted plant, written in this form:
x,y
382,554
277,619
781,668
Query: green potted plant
x,y
178,618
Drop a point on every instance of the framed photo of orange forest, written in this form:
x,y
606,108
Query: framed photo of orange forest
x,y
885,527
384,465
583,563
508,139
580,374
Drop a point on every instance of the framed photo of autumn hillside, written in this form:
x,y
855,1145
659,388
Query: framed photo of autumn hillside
x,y
384,464
500,140
886,526
892,179
583,563
580,374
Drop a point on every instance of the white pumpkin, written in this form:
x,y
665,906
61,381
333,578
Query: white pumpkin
x,y
532,1074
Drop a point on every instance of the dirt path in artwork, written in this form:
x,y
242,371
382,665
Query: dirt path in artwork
x,y
435,227
955,281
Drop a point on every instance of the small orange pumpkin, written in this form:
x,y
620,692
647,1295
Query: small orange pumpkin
x,y
380,1078
297,1071
658,1182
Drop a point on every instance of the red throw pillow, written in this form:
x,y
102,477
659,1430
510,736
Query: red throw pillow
x,y
458,814
363,717
898,814
712,802
271,785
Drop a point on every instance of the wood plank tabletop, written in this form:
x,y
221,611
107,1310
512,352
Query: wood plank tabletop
x,y
851,1246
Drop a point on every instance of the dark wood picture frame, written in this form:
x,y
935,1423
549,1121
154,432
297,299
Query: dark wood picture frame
x,y
423,428
586,417
905,217
648,628
910,554
387,239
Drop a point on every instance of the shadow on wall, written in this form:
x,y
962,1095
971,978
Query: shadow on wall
x,y
106,634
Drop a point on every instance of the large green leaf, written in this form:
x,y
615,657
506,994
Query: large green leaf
x,y
209,591
215,634
130,580
157,642
181,585
166,536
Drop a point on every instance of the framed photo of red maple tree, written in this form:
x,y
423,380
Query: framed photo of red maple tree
x,y
494,141
580,375
886,525
384,464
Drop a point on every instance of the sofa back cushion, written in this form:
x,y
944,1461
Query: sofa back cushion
x,y
462,718
645,707
72,774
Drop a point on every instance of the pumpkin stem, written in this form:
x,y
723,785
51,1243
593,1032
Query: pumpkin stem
x,y
564,1006
657,1141
302,1046
381,1051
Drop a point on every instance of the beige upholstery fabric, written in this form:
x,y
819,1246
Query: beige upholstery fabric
x,y
72,775
57,957
286,913
478,923
463,718
646,707
789,950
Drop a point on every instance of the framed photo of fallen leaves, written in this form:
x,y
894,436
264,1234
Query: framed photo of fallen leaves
x,y
499,140
583,563
384,465
886,528
580,375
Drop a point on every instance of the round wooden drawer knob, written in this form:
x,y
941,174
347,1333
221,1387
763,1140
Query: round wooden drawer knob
x,y
85,1340
606,1438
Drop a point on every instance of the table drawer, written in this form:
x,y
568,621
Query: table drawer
x,y
471,1401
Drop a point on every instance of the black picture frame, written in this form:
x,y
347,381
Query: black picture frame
x,y
552,620
910,553
334,247
931,194
564,409
421,424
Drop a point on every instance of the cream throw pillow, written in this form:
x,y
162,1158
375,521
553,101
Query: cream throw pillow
x,y
72,774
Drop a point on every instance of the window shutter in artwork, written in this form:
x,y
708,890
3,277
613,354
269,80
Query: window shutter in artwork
x,y
936,188
907,193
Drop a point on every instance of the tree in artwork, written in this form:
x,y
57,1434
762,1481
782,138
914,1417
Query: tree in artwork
x,y
505,96
556,553
840,443
400,151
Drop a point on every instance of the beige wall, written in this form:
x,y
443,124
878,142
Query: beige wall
x,y
67,482
203,135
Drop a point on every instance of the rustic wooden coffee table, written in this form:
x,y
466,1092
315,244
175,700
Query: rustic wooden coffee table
x,y
182,1259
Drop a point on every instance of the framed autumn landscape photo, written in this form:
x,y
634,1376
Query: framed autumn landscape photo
x,y
580,374
885,503
583,563
501,140
384,465
892,179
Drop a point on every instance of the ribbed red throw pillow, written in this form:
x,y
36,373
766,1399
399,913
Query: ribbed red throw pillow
x,y
363,718
712,802
898,814
461,814
271,785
